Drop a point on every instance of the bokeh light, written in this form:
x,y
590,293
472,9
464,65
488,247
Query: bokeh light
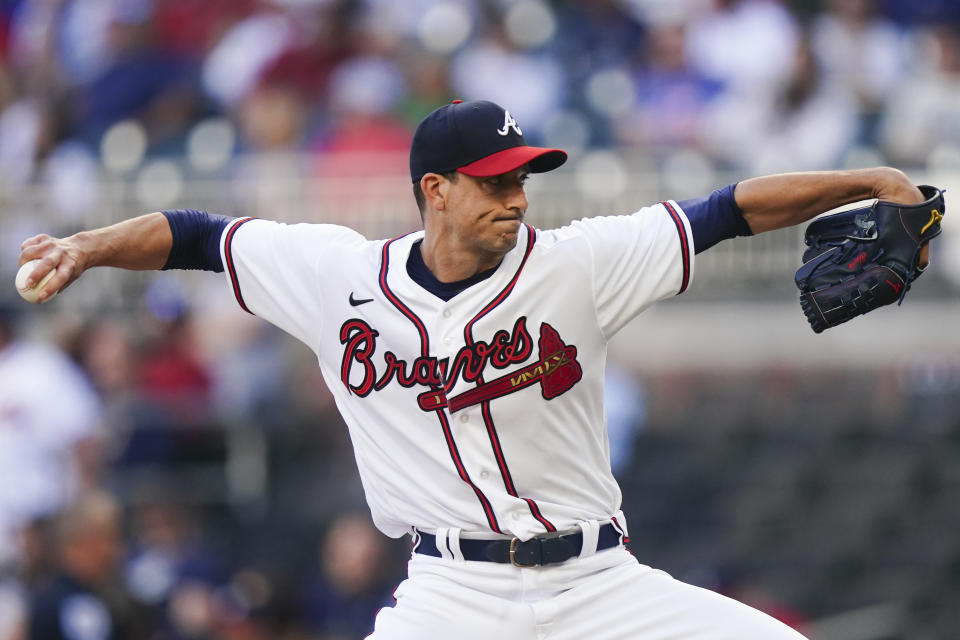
x,y
123,146
210,144
600,175
529,23
610,92
159,185
445,28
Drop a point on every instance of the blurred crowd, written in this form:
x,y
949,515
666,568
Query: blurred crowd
x,y
809,83
145,494
166,478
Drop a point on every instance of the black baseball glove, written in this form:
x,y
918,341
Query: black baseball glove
x,y
864,258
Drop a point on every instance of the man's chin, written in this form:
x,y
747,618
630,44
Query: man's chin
x,y
508,240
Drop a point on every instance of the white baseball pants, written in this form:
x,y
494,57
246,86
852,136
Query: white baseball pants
x,y
605,596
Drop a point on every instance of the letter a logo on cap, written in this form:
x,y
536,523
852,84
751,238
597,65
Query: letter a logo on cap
x,y
509,123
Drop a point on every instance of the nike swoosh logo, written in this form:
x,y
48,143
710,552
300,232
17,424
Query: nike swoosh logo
x,y
354,302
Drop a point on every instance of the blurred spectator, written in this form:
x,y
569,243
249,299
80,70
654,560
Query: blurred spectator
x,y
21,128
323,39
83,599
365,139
495,68
625,405
922,12
103,347
747,45
273,118
32,52
235,63
192,27
363,93
426,78
50,436
13,611
596,34
170,371
171,419
141,81
864,51
342,600
169,559
924,112
671,96
808,123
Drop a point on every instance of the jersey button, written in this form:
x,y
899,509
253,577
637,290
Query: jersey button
x,y
464,418
446,313
484,474
448,340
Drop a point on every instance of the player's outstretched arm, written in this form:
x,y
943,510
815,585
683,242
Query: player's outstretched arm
x,y
141,243
787,199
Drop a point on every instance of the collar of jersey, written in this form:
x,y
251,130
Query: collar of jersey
x,y
399,280
421,274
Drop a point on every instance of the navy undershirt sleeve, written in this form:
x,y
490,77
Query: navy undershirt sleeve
x,y
196,239
714,218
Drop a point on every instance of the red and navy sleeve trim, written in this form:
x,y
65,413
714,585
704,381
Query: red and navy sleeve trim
x,y
231,266
684,245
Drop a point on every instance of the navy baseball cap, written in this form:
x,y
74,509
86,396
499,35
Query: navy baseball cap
x,y
476,138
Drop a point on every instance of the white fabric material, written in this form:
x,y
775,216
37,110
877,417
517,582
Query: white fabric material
x,y
608,595
453,535
521,464
620,522
417,539
591,533
443,543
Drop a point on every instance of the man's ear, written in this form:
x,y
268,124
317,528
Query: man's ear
x,y
434,190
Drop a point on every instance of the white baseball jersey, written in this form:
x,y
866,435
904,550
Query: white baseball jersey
x,y
484,412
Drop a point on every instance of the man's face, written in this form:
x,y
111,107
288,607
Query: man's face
x,y
486,213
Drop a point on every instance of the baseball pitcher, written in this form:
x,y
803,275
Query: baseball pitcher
x,y
467,359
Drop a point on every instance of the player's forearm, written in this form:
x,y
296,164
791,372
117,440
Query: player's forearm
x,y
141,243
783,200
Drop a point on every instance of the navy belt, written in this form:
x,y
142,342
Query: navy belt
x,y
522,553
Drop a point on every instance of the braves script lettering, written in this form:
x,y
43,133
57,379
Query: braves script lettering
x,y
556,369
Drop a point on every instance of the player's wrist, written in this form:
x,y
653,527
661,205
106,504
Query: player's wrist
x,y
893,185
88,249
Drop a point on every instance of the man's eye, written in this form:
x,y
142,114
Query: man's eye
x,y
494,182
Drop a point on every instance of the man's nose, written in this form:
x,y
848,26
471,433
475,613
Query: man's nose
x,y
517,198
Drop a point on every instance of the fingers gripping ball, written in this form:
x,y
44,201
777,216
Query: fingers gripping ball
x,y
866,258
30,294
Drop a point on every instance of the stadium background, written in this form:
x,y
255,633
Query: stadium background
x,y
816,477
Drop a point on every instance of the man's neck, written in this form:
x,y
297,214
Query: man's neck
x,y
449,262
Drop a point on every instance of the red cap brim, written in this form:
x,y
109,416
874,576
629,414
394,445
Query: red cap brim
x,y
539,159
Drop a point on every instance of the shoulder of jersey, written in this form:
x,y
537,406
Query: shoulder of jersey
x,y
564,236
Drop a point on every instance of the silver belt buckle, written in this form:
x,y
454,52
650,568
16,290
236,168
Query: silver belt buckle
x,y
513,555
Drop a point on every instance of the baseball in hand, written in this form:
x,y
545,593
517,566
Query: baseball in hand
x,y
27,293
